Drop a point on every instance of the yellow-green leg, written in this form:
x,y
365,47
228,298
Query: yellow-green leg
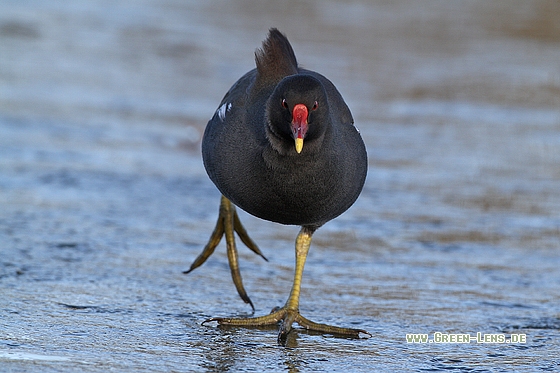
x,y
227,223
289,314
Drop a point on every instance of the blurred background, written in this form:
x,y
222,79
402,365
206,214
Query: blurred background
x,y
104,200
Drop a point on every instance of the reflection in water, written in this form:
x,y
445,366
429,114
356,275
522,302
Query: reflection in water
x,y
221,356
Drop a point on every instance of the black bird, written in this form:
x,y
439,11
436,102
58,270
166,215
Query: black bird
x,y
282,146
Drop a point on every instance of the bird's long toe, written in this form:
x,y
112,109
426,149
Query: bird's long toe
x,y
228,222
285,318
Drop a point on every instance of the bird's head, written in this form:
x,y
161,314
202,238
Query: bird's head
x,y
297,110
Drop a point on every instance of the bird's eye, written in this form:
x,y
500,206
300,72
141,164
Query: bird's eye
x,y
284,103
315,106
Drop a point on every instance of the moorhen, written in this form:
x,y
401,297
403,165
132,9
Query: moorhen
x,y
282,146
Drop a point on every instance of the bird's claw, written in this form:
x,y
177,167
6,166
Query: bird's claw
x,y
285,318
227,223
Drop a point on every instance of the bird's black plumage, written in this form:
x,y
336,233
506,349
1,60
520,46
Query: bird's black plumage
x,y
248,145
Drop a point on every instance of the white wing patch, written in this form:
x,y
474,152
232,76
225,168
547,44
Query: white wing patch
x,y
222,110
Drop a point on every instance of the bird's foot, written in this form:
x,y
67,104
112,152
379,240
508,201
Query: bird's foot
x,y
285,317
227,223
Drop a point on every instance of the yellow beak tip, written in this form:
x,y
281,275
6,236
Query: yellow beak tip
x,y
299,145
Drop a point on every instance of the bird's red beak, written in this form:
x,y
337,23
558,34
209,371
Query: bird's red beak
x,y
299,125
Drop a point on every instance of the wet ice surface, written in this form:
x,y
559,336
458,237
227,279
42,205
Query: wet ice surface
x,y
104,200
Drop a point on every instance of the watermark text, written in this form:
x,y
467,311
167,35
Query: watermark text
x,y
439,337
